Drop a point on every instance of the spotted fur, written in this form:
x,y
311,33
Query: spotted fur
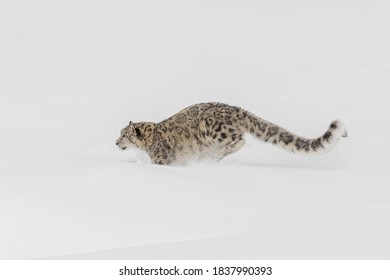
x,y
216,130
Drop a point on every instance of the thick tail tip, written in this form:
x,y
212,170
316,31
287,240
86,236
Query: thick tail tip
x,y
338,126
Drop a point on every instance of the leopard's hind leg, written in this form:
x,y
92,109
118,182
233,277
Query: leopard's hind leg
x,y
231,147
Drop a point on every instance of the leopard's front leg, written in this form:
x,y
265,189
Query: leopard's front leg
x,y
162,154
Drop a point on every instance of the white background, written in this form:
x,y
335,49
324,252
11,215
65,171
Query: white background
x,y
73,73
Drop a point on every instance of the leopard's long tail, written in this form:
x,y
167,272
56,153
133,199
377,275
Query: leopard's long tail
x,y
279,136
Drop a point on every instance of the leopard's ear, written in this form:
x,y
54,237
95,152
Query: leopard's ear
x,y
131,127
136,128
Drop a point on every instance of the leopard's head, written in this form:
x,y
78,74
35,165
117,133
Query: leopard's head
x,y
135,135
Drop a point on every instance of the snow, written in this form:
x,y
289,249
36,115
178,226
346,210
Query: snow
x,y
73,73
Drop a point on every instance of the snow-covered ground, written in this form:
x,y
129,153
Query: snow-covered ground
x,y
73,73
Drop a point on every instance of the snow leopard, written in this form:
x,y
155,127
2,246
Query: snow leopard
x,y
216,130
